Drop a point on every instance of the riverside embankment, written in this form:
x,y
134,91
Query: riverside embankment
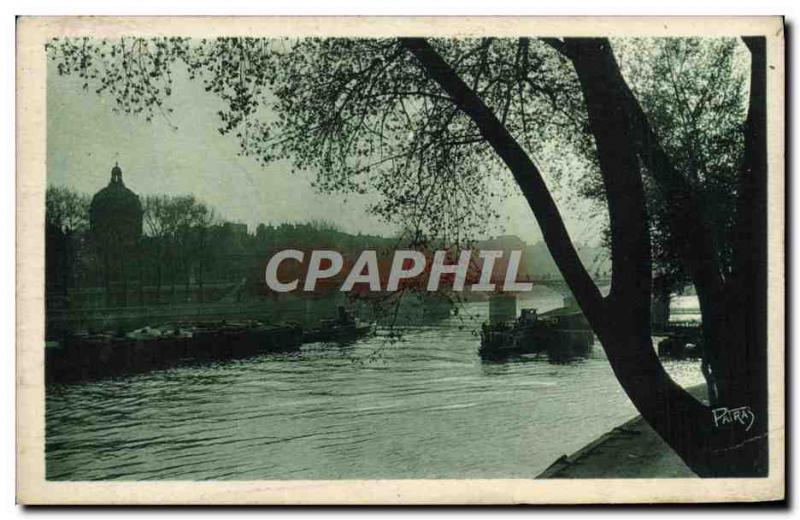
x,y
631,450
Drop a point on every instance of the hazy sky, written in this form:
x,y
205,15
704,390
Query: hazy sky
x,y
85,138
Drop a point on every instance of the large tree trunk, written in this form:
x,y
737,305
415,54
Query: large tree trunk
x,y
683,422
622,320
736,337
733,309
736,356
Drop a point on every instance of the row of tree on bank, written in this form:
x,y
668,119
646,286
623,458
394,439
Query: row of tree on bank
x,y
184,243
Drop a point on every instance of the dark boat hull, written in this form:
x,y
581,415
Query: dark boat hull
x,y
557,344
80,358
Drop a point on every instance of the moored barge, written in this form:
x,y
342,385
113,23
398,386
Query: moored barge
x,y
681,340
561,334
85,356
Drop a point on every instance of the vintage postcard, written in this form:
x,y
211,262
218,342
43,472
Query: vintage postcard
x,y
400,260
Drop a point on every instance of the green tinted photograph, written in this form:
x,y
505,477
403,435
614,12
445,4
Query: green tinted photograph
x,y
385,258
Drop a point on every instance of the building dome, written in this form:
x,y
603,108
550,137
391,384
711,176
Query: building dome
x,y
115,214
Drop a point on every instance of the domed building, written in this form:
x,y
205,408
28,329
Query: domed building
x,y
116,212
115,219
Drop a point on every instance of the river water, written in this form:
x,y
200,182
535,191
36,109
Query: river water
x,y
423,406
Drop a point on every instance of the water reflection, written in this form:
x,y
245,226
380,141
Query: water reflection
x,y
423,405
